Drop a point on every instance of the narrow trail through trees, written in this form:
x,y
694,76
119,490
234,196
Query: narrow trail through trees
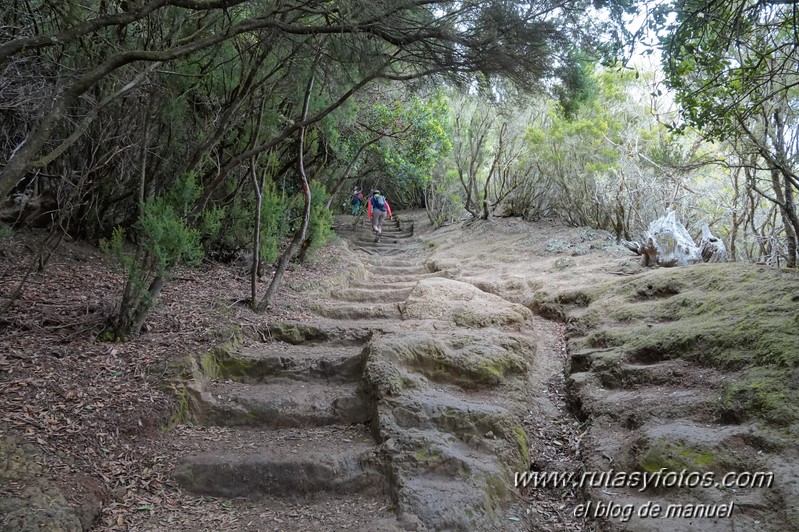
x,y
407,403
401,386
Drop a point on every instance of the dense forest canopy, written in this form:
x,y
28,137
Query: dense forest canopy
x,y
203,128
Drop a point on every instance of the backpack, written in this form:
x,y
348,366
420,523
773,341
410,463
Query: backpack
x,y
379,203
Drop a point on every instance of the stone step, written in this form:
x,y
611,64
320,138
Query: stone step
x,y
354,311
394,278
389,262
386,242
283,463
356,512
256,363
398,224
381,285
388,235
391,227
397,270
364,224
632,376
301,333
370,295
386,238
391,235
457,412
397,233
665,402
282,403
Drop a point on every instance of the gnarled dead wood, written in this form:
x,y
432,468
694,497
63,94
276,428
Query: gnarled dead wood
x,y
667,243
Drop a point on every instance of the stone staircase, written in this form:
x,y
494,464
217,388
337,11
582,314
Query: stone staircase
x,y
420,428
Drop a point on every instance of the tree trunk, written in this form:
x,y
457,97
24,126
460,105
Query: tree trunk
x,y
299,235
256,243
133,313
782,177
792,225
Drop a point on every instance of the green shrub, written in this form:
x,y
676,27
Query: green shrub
x,y
163,241
320,228
274,223
229,229
443,198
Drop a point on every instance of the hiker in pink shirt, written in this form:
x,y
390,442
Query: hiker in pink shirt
x,y
377,209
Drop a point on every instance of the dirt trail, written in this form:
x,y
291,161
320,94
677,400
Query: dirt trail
x,y
407,402
415,379
655,358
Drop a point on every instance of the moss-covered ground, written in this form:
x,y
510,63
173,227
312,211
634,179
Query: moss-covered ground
x,y
737,318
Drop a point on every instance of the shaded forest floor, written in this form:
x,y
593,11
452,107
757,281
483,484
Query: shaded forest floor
x,y
659,377
92,411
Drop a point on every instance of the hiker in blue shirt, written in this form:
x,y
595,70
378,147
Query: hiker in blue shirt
x,y
377,209
356,201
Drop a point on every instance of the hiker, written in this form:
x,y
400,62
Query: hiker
x,y
377,208
356,201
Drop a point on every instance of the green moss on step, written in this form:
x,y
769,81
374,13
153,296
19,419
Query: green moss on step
x,y
465,472
763,393
678,456
733,317
496,490
579,298
463,363
428,454
523,446
295,333
209,365
182,413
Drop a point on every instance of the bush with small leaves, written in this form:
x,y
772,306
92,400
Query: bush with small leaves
x,y
163,241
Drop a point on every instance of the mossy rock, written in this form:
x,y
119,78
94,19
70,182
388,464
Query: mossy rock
x,y
461,303
771,394
497,491
452,266
382,379
561,263
182,412
296,333
467,423
468,360
18,460
627,314
523,445
649,288
579,298
606,338
734,317
579,325
549,310
223,364
675,457
37,505
426,453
